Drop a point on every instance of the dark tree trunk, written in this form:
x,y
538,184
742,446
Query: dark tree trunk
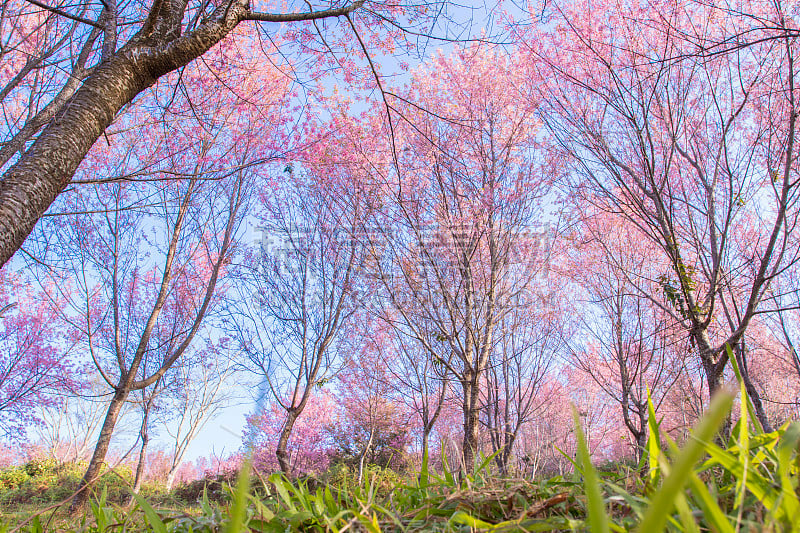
x,y
471,419
94,469
426,433
505,455
137,480
283,441
713,363
752,392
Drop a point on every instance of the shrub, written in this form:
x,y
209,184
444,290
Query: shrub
x,y
46,481
40,465
12,476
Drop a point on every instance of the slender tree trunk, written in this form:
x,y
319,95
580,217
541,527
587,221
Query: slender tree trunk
x,y
137,480
505,455
471,420
283,442
428,423
639,432
171,476
426,433
757,404
364,454
177,461
93,471
144,435
712,368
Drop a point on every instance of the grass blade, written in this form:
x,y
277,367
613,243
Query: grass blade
x,y
597,518
653,442
153,520
663,501
239,503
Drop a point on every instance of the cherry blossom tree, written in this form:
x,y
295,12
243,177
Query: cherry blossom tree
x,y
372,428
628,346
457,195
35,367
69,427
146,401
696,150
309,449
198,390
419,382
296,293
531,341
538,441
153,228
70,70
146,278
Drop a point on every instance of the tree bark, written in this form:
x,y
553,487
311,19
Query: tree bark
x,y
171,477
46,168
93,471
137,480
712,367
30,186
471,419
426,433
505,455
177,461
752,392
283,441
364,454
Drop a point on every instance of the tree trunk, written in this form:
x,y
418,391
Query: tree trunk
x,y
470,443
752,392
137,480
364,454
31,185
641,435
712,367
641,444
171,476
714,378
426,433
47,167
638,431
177,461
283,441
93,471
761,414
505,455
145,437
